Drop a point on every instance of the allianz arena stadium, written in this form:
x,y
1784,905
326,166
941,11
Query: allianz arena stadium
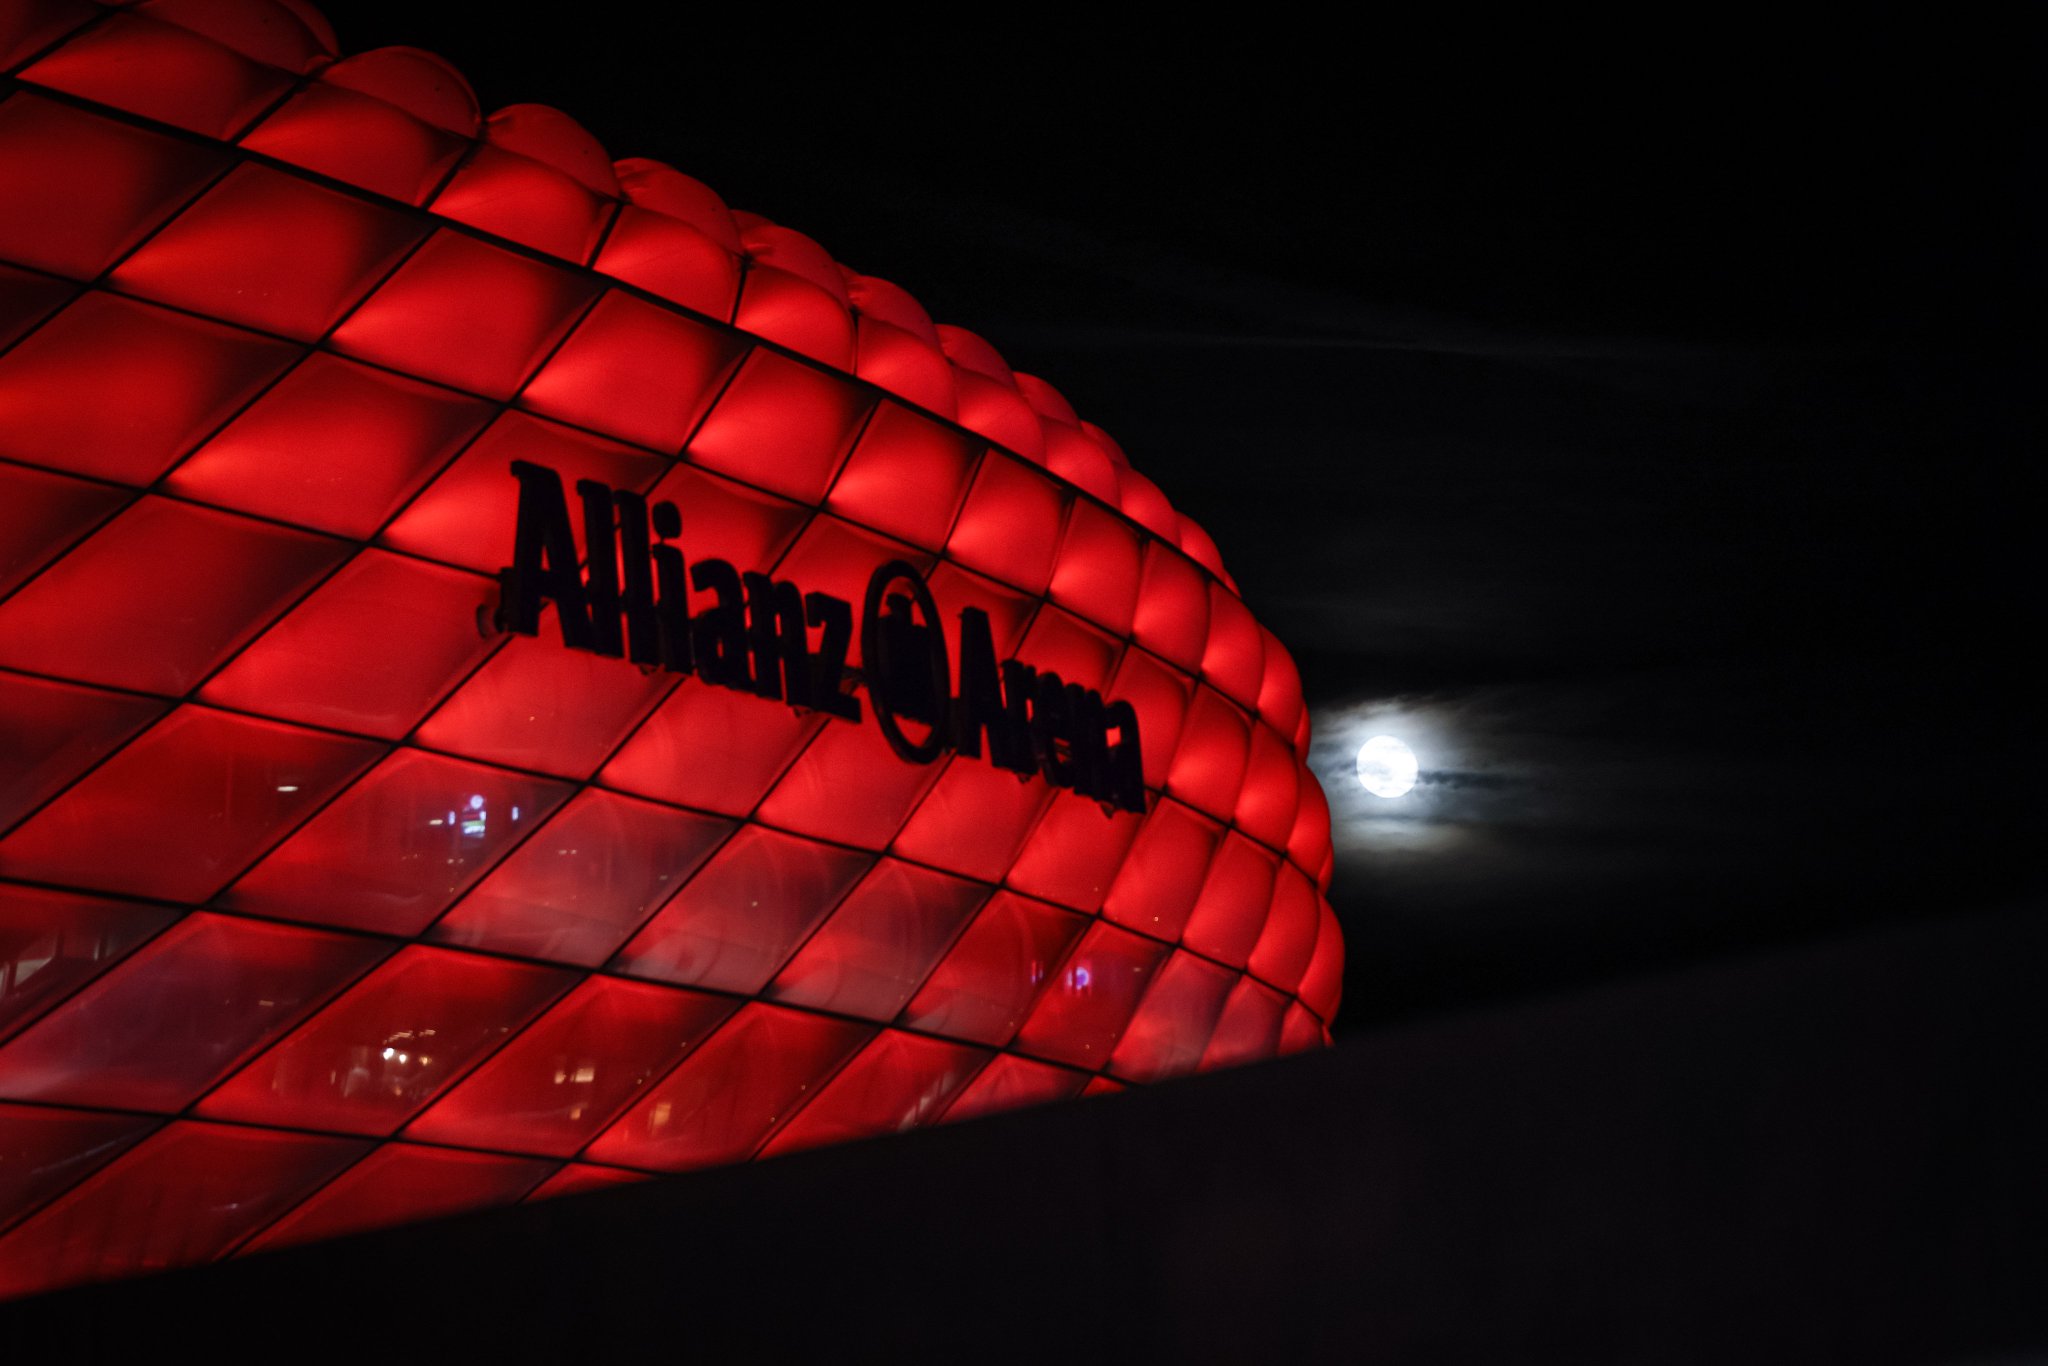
x,y
516,678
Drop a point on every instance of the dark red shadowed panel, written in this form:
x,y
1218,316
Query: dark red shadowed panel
x,y
52,943
423,85
1102,1086
555,1086
163,72
1322,984
398,847
368,651
1249,1028
1157,885
179,1013
1301,1030
399,1183
353,137
988,980
76,190
636,371
52,732
732,1092
466,313
1080,1017
185,807
1173,1023
45,1150
590,878
898,1082
877,947
536,705
782,426
119,389
577,1178
334,445
269,251
27,299
374,1058
187,1194
739,919
1011,1083
42,514
159,596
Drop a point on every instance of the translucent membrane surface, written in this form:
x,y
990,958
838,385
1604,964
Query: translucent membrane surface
x,y
325,903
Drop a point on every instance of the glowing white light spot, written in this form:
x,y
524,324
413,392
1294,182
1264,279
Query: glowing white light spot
x,y
1387,767
289,787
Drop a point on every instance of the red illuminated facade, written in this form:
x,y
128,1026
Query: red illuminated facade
x,y
326,903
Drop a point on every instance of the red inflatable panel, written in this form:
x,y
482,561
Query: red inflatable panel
x,y
351,873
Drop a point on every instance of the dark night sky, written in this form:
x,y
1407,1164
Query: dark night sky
x,y
1637,420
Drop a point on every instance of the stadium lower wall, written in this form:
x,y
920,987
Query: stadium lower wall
x,y
1829,1154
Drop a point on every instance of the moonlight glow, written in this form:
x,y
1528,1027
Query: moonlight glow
x,y
1386,767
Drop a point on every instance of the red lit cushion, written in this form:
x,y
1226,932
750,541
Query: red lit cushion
x,y
371,1060
587,881
468,314
567,1076
399,1183
179,1013
119,390
76,190
732,1092
740,918
196,798
395,850
190,1193
270,251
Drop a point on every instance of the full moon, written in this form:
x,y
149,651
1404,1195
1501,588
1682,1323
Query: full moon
x,y
1386,767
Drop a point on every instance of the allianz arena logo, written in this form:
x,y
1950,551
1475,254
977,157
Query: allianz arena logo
x,y
632,602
